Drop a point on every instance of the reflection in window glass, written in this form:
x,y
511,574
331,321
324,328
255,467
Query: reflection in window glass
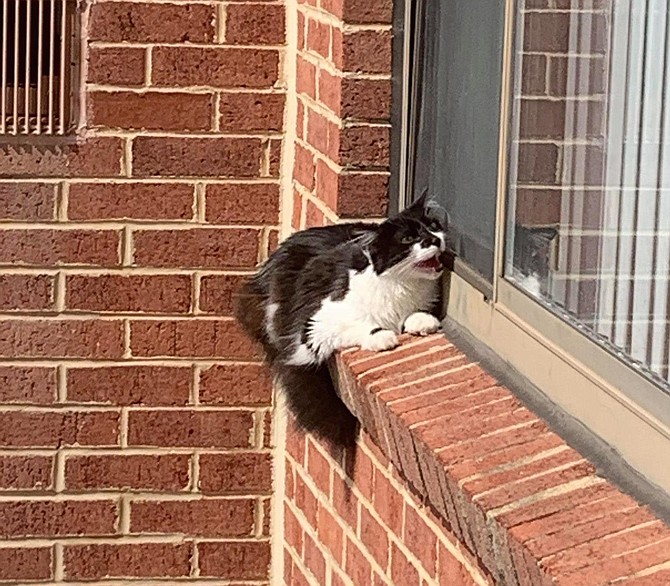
x,y
589,226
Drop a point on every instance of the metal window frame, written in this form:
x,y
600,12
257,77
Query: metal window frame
x,y
609,397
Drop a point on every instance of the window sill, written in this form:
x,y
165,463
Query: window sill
x,y
529,507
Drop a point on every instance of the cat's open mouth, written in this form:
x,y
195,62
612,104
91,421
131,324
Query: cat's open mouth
x,y
431,264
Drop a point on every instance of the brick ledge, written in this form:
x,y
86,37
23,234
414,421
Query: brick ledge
x,y
531,509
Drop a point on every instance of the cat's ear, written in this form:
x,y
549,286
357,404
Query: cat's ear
x,y
421,203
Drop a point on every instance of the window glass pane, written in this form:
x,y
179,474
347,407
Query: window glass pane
x,y
457,119
589,225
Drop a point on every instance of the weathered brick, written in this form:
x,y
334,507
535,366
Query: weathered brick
x,y
53,429
318,37
25,473
196,157
305,77
201,518
241,473
19,384
358,568
135,201
375,538
152,23
59,247
27,201
57,518
27,292
94,157
367,11
215,67
235,561
130,385
538,163
123,293
165,472
236,385
242,203
121,66
402,570
137,560
197,429
251,112
323,135
331,534
330,91
420,540
304,168
218,293
314,216
367,51
255,24
363,195
327,184
366,99
191,338
150,110
365,146
25,563
314,559
61,339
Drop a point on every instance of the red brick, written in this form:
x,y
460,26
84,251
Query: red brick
x,y
326,184
375,538
121,66
366,99
330,94
345,504
150,110
323,135
130,385
219,67
314,216
333,6
61,339
122,293
305,78
25,563
365,146
388,504
95,157
363,195
330,533
53,429
201,518
337,46
451,571
134,201
57,518
59,247
197,248
27,201
25,473
300,121
306,501
236,385
165,472
243,473
314,560
26,292
275,154
251,112
296,216
191,338
420,540
304,169
318,469
242,203
357,567
152,23
293,533
196,157
255,24
318,38
235,561
367,51
190,429
367,11
402,571
218,293
137,560
27,385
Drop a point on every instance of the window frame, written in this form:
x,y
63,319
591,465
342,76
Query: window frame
x,y
574,371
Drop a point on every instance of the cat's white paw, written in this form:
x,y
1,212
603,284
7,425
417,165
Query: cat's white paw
x,y
421,324
380,340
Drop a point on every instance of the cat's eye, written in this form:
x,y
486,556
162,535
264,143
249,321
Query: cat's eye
x,y
408,239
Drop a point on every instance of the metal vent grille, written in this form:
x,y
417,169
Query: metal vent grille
x,y
38,54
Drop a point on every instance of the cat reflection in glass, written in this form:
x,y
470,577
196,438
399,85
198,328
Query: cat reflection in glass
x,y
532,258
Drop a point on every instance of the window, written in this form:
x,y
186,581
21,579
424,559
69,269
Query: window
x,y
544,129
38,51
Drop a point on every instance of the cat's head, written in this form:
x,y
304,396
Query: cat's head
x,y
413,243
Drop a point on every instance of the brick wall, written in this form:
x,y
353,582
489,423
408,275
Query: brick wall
x,y
134,417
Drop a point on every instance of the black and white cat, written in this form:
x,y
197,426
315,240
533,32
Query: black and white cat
x,y
340,286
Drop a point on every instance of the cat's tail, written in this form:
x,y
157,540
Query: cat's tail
x,y
311,397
